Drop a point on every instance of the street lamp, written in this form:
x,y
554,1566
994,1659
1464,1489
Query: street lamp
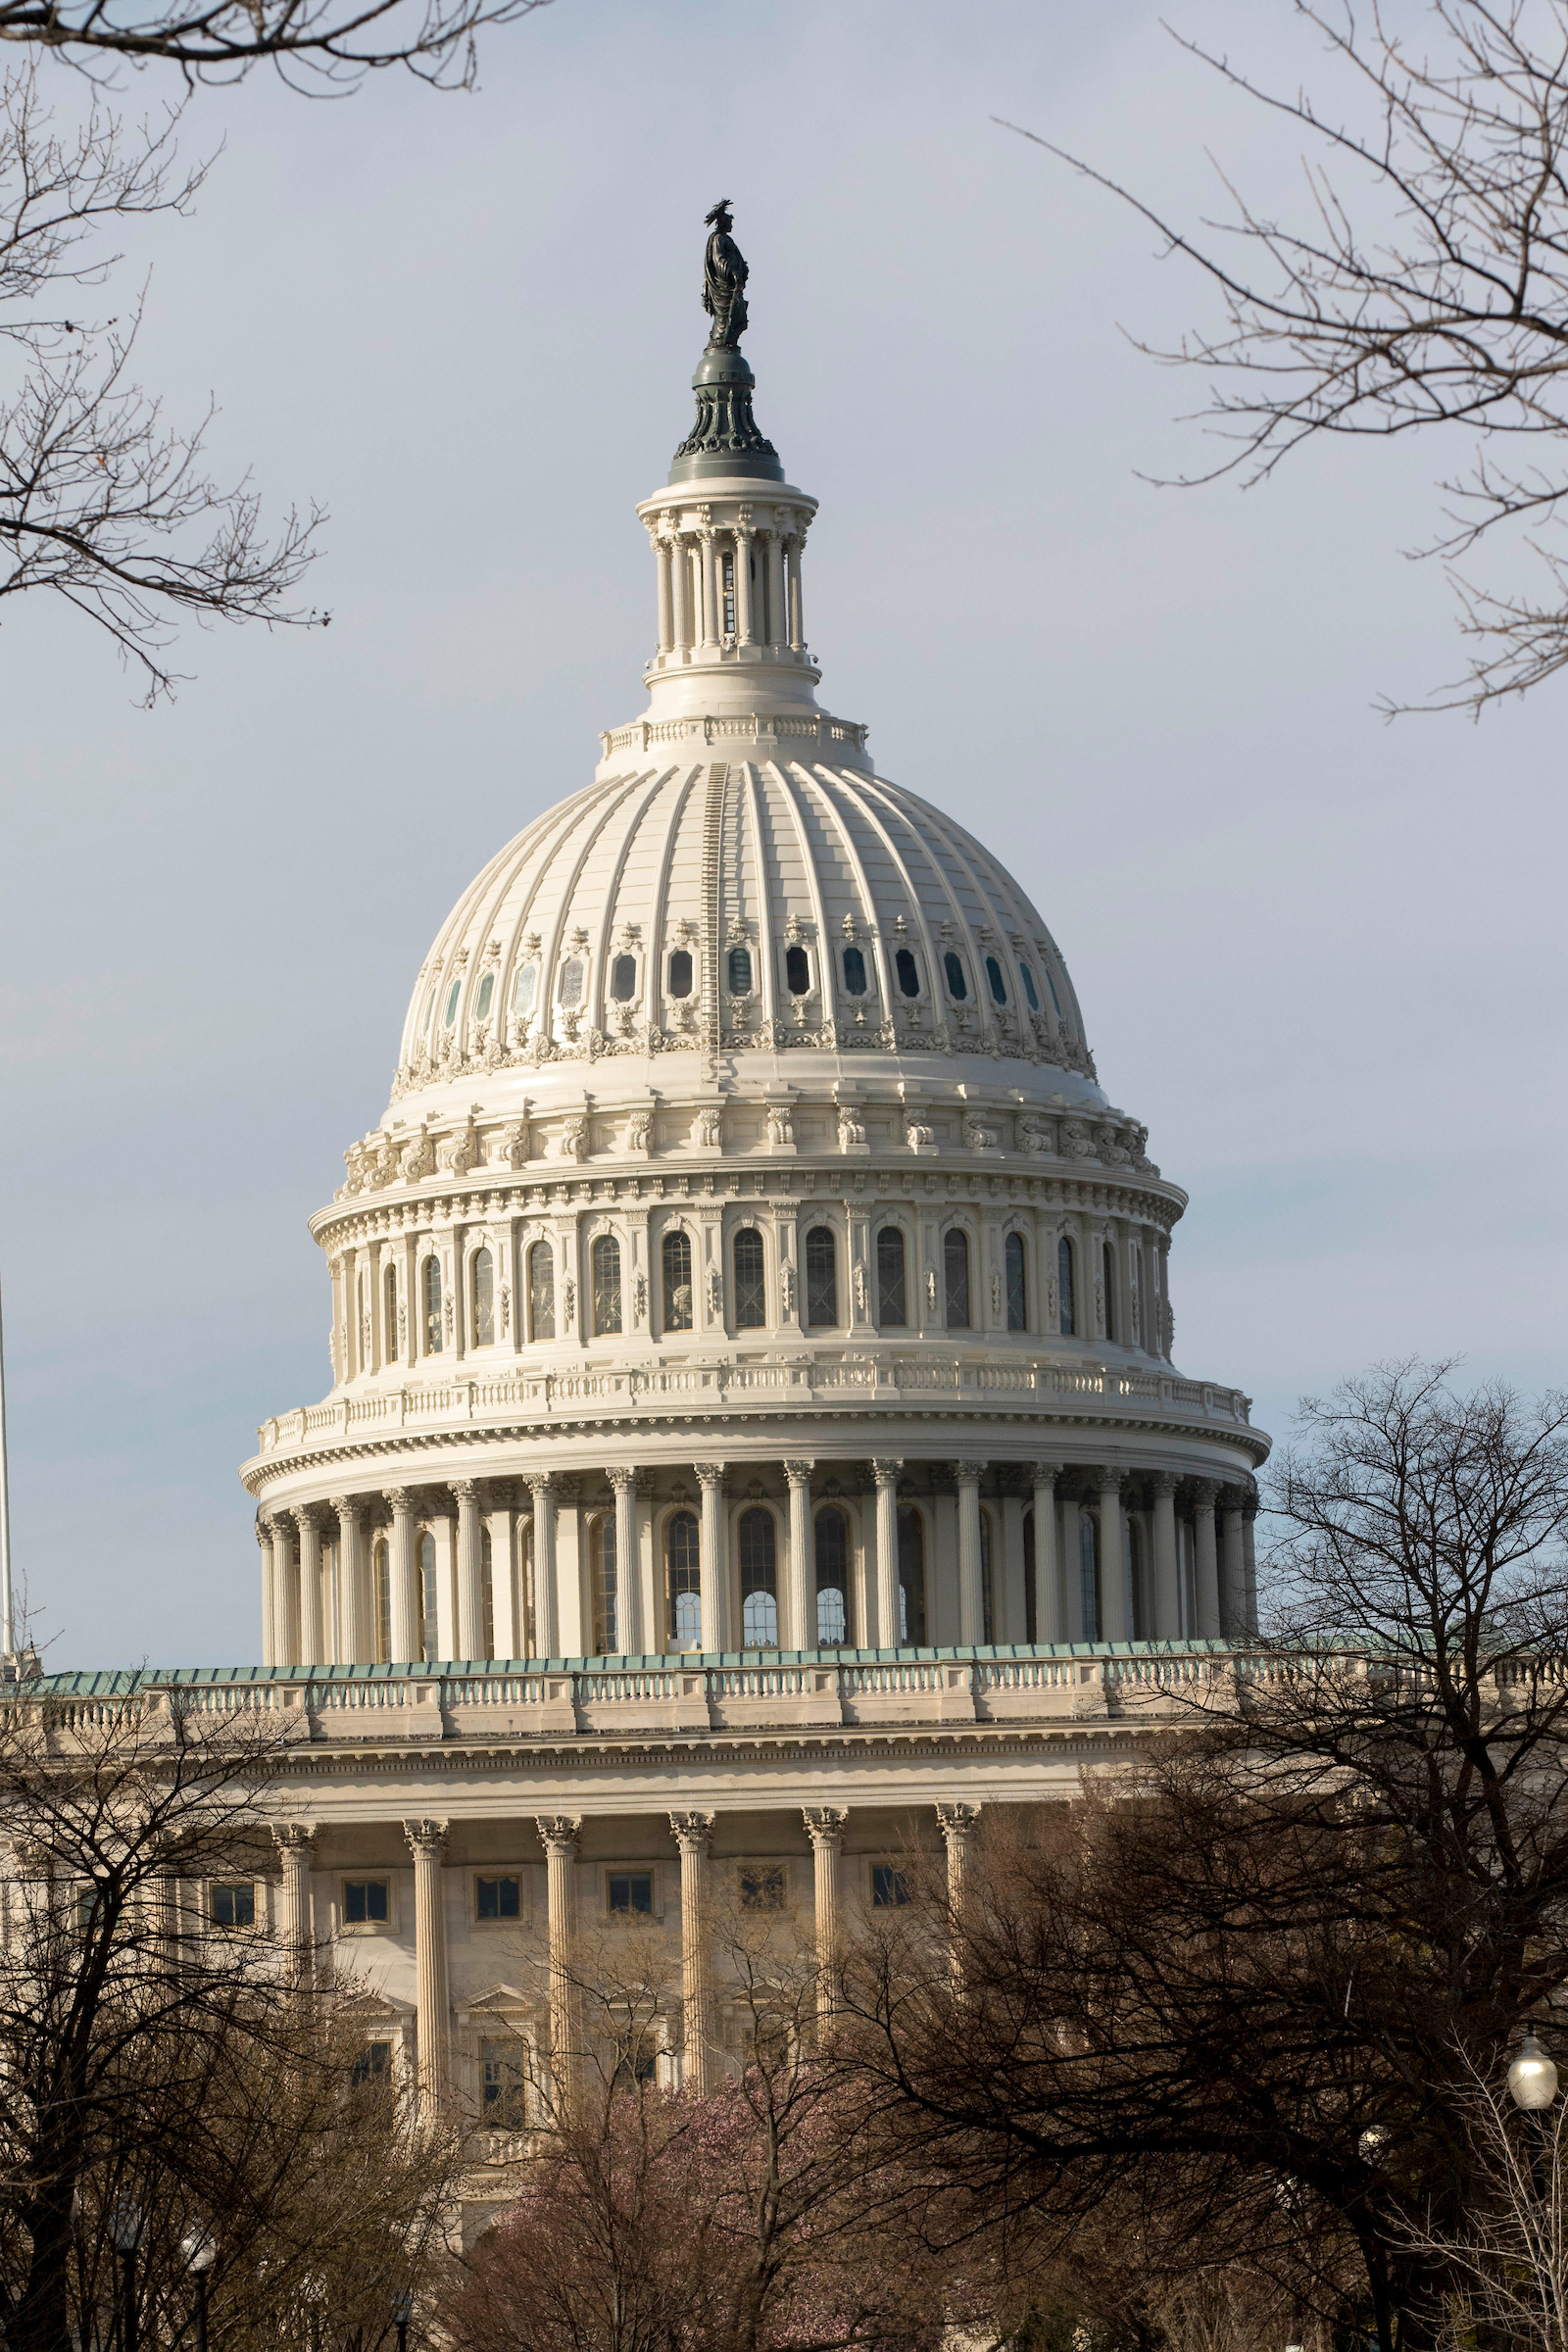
x,y
402,2313
199,2254
124,2235
1532,2087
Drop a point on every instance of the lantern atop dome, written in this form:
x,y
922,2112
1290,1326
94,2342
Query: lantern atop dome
x,y
724,442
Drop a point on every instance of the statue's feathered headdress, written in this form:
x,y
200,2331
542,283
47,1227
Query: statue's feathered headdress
x,y
719,212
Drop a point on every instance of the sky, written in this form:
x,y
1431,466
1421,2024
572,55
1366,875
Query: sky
x,y
1318,953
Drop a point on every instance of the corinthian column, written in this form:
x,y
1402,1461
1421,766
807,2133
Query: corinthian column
x,y
971,1597
958,1823
1167,1574
628,1564
745,541
1048,1625
471,1570
559,1831
1115,1601
357,1629
408,1632
798,1613
547,1614
715,1566
824,1826
885,1634
285,1593
313,1615
263,1544
295,1842
428,1840
1206,1564
692,1833
1233,1566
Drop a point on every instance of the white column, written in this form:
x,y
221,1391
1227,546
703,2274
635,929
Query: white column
x,y
264,1544
665,612
471,1570
680,582
628,1564
559,1831
547,1616
1204,1490
1233,1566
295,1842
428,1839
1050,1616
824,1826
692,1833
797,617
1249,1562
745,545
502,1583
715,1566
971,1605
1115,1601
709,594
1167,1570
313,1645
285,1592
356,1629
778,621
799,1613
958,1823
885,1632
407,1642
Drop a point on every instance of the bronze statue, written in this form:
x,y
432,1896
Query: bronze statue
x,y
725,275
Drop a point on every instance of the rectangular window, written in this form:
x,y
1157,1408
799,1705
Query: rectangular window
x,y
366,1902
631,1894
498,1898
889,1886
761,1886
372,2065
234,1904
503,2079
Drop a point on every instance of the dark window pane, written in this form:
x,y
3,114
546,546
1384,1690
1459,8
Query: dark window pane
x,y
677,1261
956,1270
234,1906
889,1884
854,972
958,985
751,1287
985,1577
1028,979
912,1580
1031,1595
892,1309
1089,1573
631,1894
623,979
761,1886
797,971
682,1550
758,1545
1017,1289
498,1898
1066,1316
372,2065
606,1589
740,971
364,1902
999,986
821,1278
680,973
905,966
832,1531
1107,1272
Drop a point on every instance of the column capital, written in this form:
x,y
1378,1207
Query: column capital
x,y
467,1492
711,1475
799,1473
1165,1482
559,1833
968,1474
426,1836
887,1472
540,1483
264,1531
400,1499
310,1514
957,1820
1203,1492
1251,1506
692,1830
1232,1499
1107,1480
824,1825
623,1477
1045,1474
344,1504
294,1837
281,1523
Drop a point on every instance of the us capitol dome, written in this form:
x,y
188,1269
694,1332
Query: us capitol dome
x,y
750,1259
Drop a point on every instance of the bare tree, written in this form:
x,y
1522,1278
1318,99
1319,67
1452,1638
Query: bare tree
x,y
1425,285
329,43
101,502
1507,2262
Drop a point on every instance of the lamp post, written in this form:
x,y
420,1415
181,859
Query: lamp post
x,y
124,2235
200,2254
402,2313
1532,2087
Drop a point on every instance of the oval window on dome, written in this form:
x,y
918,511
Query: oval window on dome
x,y
487,989
450,1013
623,979
958,985
853,973
909,972
798,971
740,971
571,983
1029,989
1054,999
680,972
999,986
522,989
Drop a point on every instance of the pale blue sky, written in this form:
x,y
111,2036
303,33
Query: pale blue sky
x,y
1319,955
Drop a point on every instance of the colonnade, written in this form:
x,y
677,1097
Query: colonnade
x,y
953,1551
701,611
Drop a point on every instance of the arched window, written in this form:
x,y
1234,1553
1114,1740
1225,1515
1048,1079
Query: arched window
x,y
821,1278
909,972
892,1303
487,989
450,1013
987,1613
740,971
1107,1268
999,986
1017,1285
522,989
751,1280
911,1578
683,1580
381,1580
1089,1573
1029,989
680,972
432,1307
1065,1316
389,1316
429,1620
956,1275
832,1532
487,1593
602,1574
853,973
607,1285
541,1293
569,993
757,1540
958,985
1031,1595
798,971
482,1299
677,1262
623,979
